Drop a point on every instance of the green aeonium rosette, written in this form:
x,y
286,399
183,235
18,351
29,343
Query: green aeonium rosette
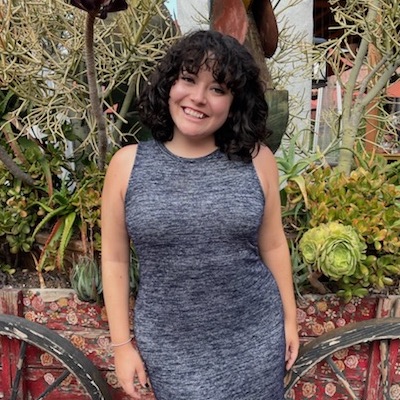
x,y
311,243
333,249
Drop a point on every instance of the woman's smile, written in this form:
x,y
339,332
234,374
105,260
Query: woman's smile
x,y
194,113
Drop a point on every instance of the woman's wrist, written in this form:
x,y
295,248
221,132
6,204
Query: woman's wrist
x,y
121,343
291,318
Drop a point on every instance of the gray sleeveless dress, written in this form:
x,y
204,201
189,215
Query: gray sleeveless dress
x,y
208,315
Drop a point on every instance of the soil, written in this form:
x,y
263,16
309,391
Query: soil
x,y
25,278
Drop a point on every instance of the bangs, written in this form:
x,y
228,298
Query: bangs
x,y
221,67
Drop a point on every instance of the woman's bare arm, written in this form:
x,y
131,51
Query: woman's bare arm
x,y
115,262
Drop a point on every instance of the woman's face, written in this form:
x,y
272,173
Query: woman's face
x,y
198,104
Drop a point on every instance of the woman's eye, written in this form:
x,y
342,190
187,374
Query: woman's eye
x,y
218,90
187,78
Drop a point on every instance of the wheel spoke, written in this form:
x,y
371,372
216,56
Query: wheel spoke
x,y
385,332
18,375
342,379
74,363
54,385
384,367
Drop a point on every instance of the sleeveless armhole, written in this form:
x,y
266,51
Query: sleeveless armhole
x,y
131,151
260,167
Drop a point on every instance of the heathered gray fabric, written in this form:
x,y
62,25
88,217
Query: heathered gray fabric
x,y
208,316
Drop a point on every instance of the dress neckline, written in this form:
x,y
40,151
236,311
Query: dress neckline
x,y
169,153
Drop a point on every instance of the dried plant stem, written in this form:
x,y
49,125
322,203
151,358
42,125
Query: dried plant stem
x,y
14,168
9,136
313,277
93,90
47,69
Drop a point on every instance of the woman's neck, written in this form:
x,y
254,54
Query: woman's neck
x,y
191,148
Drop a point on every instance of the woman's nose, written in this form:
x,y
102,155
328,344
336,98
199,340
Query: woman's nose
x,y
198,95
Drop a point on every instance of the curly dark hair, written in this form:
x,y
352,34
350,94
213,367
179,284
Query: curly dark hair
x,y
231,64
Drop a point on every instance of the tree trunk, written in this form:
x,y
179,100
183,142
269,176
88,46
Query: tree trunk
x,y
93,90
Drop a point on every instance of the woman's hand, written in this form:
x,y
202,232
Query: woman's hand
x,y
128,365
292,343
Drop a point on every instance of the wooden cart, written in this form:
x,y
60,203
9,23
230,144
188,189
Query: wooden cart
x,y
54,346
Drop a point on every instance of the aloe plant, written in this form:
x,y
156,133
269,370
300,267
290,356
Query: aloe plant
x,y
85,277
70,211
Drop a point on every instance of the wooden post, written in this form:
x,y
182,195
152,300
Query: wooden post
x,y
371,126
383,356
11,303
371,115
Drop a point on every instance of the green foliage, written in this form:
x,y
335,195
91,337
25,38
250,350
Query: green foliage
x,y
337,252
71,211
333,249
374,26
42,48
16,223
368,200
20,210
291,162
300,270
60,208
278,116
7,269
86,279
50,183
61,202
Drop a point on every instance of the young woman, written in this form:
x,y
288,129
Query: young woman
x,y
215,314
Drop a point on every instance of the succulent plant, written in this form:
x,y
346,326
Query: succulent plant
x,y
85,278
333,249
368,201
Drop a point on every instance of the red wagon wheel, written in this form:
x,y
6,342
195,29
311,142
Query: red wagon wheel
x,y
73,368
384,335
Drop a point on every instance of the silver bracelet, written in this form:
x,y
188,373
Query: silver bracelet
x,y
121,344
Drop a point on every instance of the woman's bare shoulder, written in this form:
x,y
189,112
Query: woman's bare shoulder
x,y
125,155
265,165
120,168
265,154
264,161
